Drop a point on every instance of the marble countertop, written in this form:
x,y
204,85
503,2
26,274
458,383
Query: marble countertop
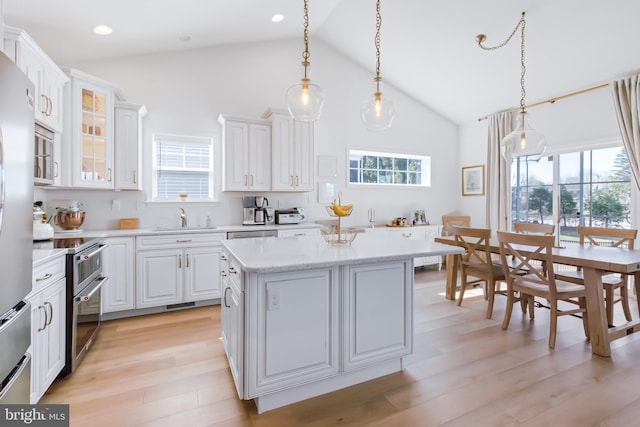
x,y
178,230
299,253
40,256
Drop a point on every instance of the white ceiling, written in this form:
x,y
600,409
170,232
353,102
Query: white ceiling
x,y
428,46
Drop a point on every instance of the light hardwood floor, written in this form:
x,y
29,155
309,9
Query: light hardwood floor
x,y
170,370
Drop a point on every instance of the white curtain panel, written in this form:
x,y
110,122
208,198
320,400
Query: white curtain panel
x,y
498,173
626,99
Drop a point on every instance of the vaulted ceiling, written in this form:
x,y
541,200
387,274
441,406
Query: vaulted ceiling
x,y
428,46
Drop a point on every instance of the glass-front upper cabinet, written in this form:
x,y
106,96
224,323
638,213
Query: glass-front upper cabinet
x,y
91,130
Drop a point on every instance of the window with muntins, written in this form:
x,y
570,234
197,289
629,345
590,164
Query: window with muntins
x,y
182,167
591,188
375,168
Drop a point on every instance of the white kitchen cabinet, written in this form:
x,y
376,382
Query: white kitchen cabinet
x,y
419,232
370,337
89,131
175,269
297,314
232,314
118,263
247,154
47,325
128,145
49,80
292,152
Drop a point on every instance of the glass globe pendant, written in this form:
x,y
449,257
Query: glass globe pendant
x,y
305,99
378,112
523,141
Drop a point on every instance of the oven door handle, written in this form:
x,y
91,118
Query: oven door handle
x,y
87,256
97,284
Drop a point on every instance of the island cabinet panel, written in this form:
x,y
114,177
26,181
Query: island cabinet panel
x,y
295,329
232,312
377,311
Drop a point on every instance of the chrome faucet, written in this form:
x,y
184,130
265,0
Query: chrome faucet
x,y
183,218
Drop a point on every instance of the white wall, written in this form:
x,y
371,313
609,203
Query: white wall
x,y
581,122
186,91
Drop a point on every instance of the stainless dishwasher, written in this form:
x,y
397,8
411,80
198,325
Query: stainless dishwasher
x,y
231,235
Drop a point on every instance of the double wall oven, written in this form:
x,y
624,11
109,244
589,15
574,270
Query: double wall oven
x,y
84,281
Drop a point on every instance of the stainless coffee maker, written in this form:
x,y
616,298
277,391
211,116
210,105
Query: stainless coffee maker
x,y
260,214
256,210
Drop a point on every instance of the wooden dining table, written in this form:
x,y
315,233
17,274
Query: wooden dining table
x,y
595,262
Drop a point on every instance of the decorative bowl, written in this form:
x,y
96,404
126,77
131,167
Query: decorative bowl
x,y
339,236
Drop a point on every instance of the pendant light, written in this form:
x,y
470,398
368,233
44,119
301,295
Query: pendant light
x,y
305,99
378,112
524,140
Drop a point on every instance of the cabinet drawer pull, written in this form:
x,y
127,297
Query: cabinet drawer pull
x,y
46,105
45,277
406,235
44,325
223,258
135,177
233,270
110,177
251,179
187,260
179,261
246,182
56,169
183,241
225,297
297,181
48,322
50,109
223,273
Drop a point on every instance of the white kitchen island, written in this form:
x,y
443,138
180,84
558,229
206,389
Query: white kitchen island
x,y
302,318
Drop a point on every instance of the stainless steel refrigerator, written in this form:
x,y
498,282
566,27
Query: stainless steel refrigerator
x,y
16,241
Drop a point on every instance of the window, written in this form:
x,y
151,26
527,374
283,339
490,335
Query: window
x,y
591,188
182,166
368,167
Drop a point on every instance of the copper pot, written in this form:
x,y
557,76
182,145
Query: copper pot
x,y
69,220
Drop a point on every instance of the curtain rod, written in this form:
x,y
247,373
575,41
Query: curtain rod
x,y
552,100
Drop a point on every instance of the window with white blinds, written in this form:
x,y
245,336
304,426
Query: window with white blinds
x,y
182,167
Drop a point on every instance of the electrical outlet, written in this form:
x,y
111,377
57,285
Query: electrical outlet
x,y
273,299
115,205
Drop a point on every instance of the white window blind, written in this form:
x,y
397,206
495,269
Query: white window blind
x,y
182,165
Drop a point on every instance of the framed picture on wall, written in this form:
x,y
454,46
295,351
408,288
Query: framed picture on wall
x,y
473,180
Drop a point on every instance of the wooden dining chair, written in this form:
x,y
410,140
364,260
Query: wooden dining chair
x,y
476,263
602,236
538,282
449,221
527,228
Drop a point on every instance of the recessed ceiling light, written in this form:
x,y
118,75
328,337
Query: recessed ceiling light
x,y
278,17
103,30
185,39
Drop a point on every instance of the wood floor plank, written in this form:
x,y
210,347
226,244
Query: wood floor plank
x,y
170,369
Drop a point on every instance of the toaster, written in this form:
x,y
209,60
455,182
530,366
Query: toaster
x,y
288,216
